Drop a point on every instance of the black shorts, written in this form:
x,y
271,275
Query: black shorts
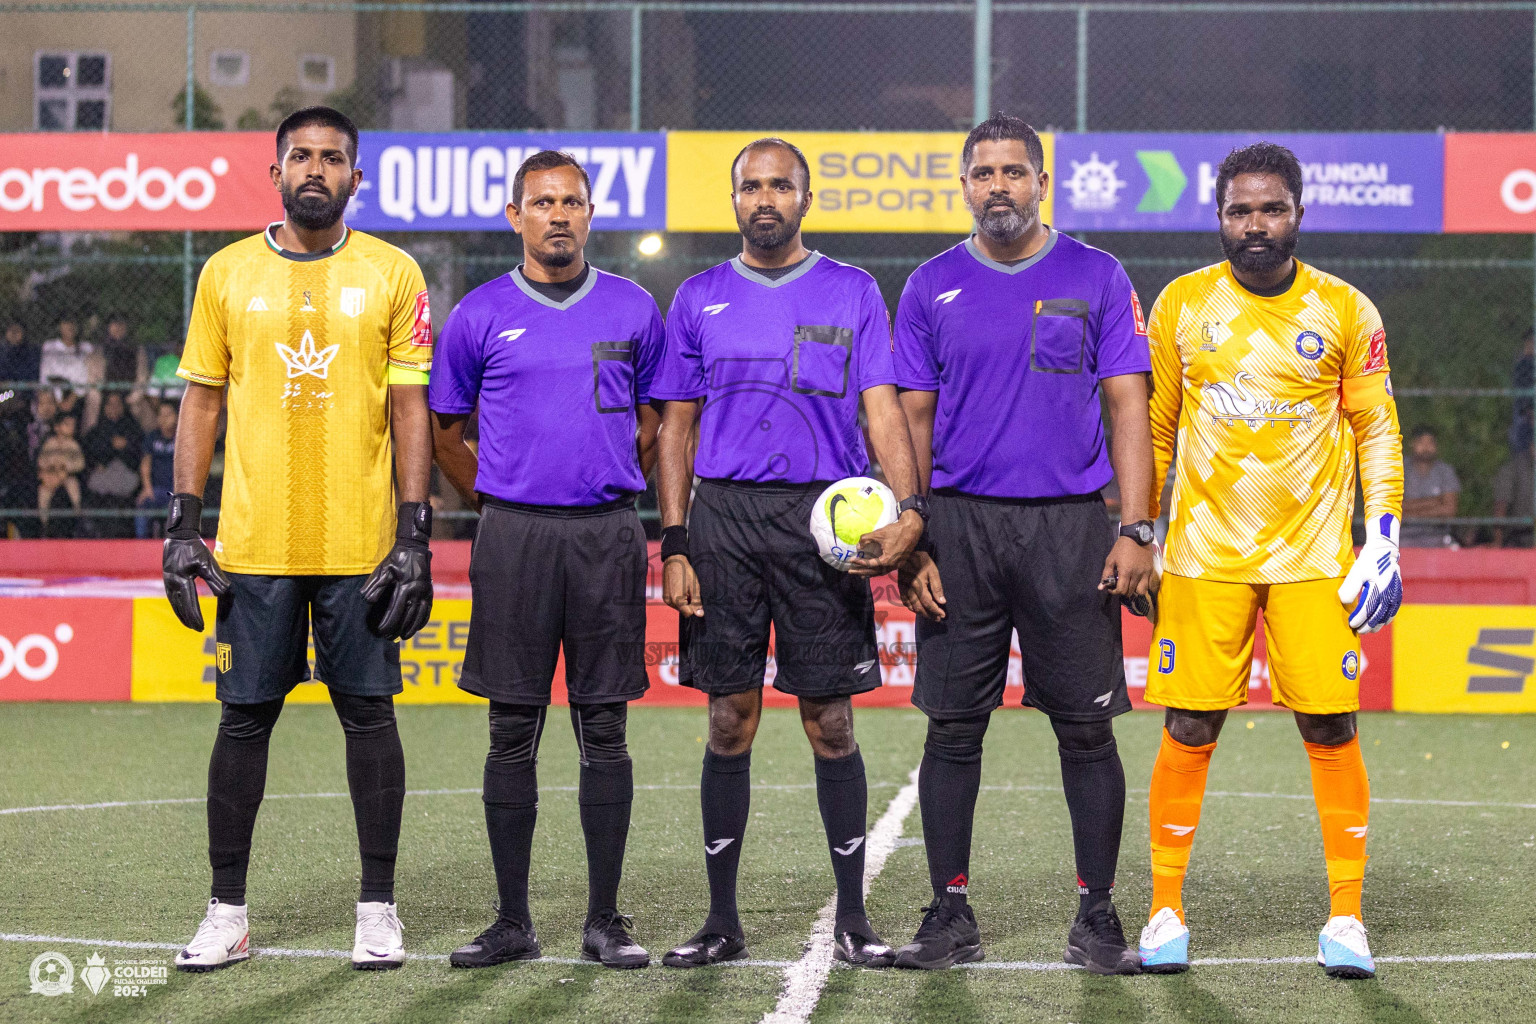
x,y
543,576
1033,566
262,635
751,546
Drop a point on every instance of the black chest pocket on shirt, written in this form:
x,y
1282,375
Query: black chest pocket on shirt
x,y
1058,338
612,376
822,356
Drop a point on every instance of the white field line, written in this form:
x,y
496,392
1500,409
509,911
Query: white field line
x,y
1240,794
804,980
44,808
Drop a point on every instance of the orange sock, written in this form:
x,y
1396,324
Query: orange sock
x,y
1178,786
1343,794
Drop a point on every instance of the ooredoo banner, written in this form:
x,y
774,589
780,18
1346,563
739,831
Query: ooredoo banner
x,y
64,648
1490,183
81,181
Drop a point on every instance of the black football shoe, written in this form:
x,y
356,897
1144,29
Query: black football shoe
x,y
501,943
706,948
606,940
948,936
1097,942
854,942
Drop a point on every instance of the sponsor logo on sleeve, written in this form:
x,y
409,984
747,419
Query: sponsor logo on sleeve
x,y
1376,358
421,331
1141,323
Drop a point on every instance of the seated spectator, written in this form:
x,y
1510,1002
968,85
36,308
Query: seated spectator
x,y
68,360
123,360
1430,491
62,444
113,450
20,359
45,409
1513,496
156,469
57,490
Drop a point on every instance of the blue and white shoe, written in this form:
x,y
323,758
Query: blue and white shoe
x,y
1342,950
1165,944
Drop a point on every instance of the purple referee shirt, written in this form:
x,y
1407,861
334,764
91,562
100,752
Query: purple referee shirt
x,y
559,385
780,365
1016,354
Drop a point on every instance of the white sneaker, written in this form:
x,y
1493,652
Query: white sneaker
x,y
379,944
222,939
1165,944
1342,950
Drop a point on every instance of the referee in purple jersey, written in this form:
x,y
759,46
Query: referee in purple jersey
x,y
558,356
1005,345
780,347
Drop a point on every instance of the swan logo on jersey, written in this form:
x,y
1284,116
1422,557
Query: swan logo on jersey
x,y
1351,666
1309,344
1235,403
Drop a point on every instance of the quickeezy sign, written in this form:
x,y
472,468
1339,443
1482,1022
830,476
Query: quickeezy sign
x,y
1380,182
463,181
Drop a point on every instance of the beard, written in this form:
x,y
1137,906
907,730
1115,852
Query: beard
x,y
1003,221
767,235
311,211
557,259
1277,249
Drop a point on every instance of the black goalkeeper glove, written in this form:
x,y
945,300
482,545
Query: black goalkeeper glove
x,y
405,576
186,558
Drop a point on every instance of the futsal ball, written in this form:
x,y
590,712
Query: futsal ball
x,y
847,511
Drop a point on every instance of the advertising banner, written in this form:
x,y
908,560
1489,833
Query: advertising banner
x,y
1465,657
1376,182
94,181
860,181
64,648
462,181
1490,183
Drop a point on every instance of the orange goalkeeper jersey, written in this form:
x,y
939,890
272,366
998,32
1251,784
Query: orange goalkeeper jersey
x,y
1266,401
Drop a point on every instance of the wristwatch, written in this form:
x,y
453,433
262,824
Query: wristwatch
x,y
1140,532
917,503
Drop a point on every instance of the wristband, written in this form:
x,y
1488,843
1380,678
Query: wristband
x,y
674,541
413,522
185,517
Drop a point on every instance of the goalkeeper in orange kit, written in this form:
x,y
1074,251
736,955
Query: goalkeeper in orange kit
x,y
1268,377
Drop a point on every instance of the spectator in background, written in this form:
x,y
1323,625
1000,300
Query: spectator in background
x,y
20,360
1513,488
1430,491
60,461
45,409
123,360
113,452
68,360
155,468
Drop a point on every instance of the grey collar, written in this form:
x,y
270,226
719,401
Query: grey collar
x,y
987,261
534,294
752,274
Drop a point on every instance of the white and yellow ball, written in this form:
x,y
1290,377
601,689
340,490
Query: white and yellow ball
x,y
846,511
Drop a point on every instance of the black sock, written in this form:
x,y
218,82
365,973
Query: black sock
x,y
376,780
606,794
725,793
237,778
1094,783
947,784
843,795
511,796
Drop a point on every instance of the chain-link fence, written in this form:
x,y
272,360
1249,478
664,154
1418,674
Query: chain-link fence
x,y
1459,308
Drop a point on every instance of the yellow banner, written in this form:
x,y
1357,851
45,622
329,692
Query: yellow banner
x,y
1464,657
172,663
860,181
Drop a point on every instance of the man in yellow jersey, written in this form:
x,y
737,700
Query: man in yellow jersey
x,y
1268,376
321,338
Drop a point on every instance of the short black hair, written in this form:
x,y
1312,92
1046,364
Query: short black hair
x,y
546,160
999,127
1424,430
1259,158
764,143
326,117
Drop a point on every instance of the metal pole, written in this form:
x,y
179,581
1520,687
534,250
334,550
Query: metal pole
x,y
1082,69
186,236
981,73
634,67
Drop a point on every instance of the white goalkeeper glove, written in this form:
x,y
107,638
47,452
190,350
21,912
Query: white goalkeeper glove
x,y
1373,590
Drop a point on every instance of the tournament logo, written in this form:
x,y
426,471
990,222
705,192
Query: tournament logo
x,y
1309,345
1351,666
1094,184
52,975
95,975
1376,358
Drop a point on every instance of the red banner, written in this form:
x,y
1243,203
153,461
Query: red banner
x,y
65,648
78,181
1490,183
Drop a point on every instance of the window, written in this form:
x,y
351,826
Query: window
x,y
317,73
73,91
229,67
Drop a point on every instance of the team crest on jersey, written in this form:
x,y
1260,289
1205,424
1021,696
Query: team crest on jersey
x,y
1350,666
1309,345
1376,358
421,331
1388,385
352,300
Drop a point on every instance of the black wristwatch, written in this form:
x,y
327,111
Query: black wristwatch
x,y
1140,532
917,503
